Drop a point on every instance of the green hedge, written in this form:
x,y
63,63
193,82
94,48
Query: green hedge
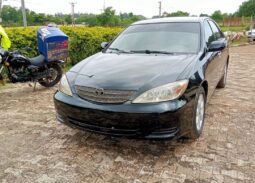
x,y
83,41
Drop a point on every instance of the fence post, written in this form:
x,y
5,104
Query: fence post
x,y
251,29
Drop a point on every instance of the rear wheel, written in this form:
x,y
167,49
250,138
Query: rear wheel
x,y
54,76
198,115
1,79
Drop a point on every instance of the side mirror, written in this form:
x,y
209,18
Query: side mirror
x,y
217,46
104,45
28,49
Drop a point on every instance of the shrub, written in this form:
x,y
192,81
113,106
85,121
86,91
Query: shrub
x,y
83,41
23,37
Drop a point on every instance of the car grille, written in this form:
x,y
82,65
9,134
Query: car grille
x,y
104,95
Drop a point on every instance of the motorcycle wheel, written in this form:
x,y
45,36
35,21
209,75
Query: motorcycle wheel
x,y
55,74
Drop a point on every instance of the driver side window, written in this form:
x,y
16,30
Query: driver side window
x,y
217,33
209,36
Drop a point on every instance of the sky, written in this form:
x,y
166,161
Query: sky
x,y
148,8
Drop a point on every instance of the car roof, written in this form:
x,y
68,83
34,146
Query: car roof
x,y
171,19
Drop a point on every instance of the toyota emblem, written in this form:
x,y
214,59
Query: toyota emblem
x,y
99,91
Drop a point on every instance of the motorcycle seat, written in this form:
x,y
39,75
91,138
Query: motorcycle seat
x,y
37,61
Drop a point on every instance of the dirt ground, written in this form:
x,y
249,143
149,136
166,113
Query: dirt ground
x,y
34,147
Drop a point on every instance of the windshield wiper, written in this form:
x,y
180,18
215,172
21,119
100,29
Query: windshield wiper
x,y
152,52
119,50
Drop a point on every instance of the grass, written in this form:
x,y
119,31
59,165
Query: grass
x,y
241,41
234,28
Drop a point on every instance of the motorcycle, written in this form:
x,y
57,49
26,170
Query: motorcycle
x,y
23,69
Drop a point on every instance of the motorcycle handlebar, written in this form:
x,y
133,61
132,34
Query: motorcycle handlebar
x,y
3,52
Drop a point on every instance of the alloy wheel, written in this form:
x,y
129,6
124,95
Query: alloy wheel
x,y
52,75
200,112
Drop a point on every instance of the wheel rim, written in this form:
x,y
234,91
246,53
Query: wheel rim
x,y
53,75
200,112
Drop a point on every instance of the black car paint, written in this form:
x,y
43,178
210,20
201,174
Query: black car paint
x,y
104,68
141,72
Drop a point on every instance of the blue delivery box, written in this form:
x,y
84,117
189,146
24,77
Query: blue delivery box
x,y
52,43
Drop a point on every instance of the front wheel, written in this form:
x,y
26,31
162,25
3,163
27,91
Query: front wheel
x,y
198,115
223,81
53,77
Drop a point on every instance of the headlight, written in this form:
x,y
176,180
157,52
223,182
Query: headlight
x,y
163,93
64,86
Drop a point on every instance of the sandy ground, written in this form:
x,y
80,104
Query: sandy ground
x,y
35,148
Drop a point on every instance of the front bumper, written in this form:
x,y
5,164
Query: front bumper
x,y
163,120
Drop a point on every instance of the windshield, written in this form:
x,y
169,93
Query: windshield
x,y
158,38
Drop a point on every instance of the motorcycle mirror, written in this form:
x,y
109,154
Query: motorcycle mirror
x,y
28,49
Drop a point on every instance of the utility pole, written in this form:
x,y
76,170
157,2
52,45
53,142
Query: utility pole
x,y
104,6
24,13
160,8
72,11
1,2
253,15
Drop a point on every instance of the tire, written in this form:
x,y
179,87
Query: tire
x,y
223,81
1,80
52,81
198,115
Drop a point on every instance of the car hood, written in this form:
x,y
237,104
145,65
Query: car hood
x,y
130,71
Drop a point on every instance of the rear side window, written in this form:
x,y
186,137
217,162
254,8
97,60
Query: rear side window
x,y
217,33
209,36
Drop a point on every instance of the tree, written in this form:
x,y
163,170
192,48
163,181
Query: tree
x,y
68,19
247,8
108,18
217,16
204,15
129,18
178,14
87,19
13,17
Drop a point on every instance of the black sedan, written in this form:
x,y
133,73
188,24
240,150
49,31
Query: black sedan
x,y
153,81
